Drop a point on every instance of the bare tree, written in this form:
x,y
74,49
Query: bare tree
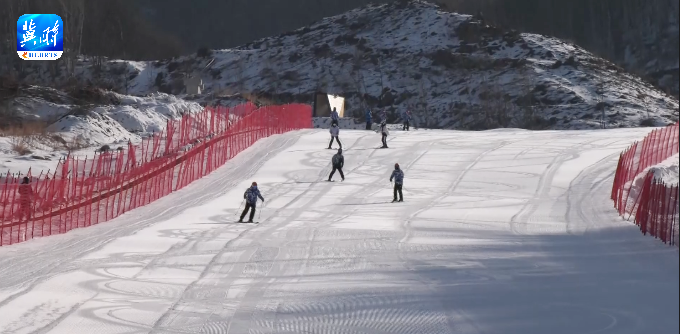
x,y
240,70
422,105
73,12
11,10
357,77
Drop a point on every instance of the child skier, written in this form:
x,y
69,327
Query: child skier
x,y
335,131
251,196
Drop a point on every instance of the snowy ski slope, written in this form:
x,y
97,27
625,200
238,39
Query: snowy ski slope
x,y
503,231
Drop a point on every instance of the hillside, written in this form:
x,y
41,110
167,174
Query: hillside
x,y
639,35
450,69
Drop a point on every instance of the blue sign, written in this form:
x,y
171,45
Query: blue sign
x,y
40,37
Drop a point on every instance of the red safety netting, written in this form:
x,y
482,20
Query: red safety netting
x,y
84,192
653,203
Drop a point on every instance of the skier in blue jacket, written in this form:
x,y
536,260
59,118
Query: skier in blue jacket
x,y
369,120
398,176
251,196
407,120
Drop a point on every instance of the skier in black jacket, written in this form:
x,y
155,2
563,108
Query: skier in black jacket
x,y
251,195
338,162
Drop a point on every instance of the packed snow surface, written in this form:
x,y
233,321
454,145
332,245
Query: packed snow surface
x,y
504,231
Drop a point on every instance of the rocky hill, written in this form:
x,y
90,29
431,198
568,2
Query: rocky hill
x,y
450,69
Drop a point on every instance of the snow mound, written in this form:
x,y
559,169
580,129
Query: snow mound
x,y
84,121
95,129
667,170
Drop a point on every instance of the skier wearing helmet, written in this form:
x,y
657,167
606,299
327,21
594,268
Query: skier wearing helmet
x,y
398,176
251,196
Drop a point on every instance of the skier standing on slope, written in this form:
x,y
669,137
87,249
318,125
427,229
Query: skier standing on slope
x,y
369,120
338,162
335,131
398,176
407,120
384,132
251,196
334,117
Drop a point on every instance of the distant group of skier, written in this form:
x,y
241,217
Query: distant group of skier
x,y
338,161
383,130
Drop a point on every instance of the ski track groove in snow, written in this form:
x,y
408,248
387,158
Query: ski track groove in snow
x,y
456,320
66,251
518,223
589,177
337,258
263,231
451,187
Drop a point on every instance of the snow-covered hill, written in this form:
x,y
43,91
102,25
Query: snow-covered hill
x,y
47,123
451,70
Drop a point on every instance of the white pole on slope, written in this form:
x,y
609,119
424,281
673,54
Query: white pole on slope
x,y
239,207
259,214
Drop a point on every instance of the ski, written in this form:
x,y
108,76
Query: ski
x,y
247,222
330,180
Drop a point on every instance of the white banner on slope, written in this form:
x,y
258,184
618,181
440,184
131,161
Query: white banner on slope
x,y
337,102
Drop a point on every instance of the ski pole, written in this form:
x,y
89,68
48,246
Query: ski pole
x,y
259,214
239,207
